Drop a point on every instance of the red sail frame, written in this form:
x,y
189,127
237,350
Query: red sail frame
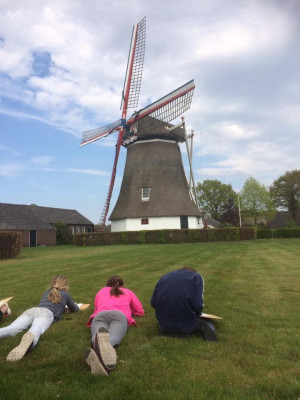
x,y
132,80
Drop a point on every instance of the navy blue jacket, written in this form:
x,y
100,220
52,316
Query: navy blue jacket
x,y
178,301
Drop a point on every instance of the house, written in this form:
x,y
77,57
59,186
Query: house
x,y
283,219
36,224
209,222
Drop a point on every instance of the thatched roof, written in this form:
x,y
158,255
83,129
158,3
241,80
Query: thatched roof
x,y
67,216
156,164
23,217
152,128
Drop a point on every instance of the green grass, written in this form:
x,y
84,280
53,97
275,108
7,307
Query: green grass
x,y
253,285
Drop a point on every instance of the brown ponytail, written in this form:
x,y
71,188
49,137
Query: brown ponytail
x,y
115,282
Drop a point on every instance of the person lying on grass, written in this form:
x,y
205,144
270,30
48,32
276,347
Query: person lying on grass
x,y
114,308
178,303
39,319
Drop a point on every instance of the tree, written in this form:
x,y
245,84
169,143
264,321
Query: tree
x,y
256,202
60,232
230,214
285,191
212,195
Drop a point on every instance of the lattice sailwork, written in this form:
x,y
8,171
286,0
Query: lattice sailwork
x,y
136,66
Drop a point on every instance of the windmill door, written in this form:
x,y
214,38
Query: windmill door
x,y
32,238
184,222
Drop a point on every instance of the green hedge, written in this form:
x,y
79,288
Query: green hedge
x,y
165,236
10,244
278,233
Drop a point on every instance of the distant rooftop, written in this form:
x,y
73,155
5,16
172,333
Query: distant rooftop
x,y
21,217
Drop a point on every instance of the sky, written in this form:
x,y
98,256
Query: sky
x,y
62,69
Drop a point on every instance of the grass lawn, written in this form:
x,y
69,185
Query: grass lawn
x,y
253,285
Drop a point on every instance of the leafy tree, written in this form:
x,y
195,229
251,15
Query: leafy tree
x,y
256,202
290,223
285,191
212,195
230,214
60,232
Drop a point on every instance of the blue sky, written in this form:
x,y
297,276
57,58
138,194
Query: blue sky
x,y
62,70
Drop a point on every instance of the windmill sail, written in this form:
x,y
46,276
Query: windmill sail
x,y
130,98
134,71
132,84
168,107
96,134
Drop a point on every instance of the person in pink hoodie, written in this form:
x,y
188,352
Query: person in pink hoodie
x,y
114,308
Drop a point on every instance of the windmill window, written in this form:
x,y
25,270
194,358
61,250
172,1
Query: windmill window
x,y
145,194
144,221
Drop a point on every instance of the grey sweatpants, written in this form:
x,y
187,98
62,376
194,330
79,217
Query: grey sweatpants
x,y
114,321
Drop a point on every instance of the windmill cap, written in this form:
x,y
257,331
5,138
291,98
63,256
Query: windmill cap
x,y
152,128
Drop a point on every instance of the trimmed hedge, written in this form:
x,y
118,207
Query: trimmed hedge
x,y
165,236
278,233
10,244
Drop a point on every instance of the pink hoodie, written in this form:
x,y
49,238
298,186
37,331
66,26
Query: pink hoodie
x,y
127,303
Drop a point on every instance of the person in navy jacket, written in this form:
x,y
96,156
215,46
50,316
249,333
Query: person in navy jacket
x,y
178,303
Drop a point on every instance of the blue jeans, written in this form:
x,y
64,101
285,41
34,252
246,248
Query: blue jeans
x,y
39,319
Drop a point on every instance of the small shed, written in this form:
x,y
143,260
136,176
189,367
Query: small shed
x,y
36,224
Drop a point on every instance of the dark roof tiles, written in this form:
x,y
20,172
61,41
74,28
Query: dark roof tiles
x,y
21,217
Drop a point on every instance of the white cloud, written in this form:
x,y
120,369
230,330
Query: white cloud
x,y
43,161
88,171
10,170
50,169
14,61
9,150
291,114
234,131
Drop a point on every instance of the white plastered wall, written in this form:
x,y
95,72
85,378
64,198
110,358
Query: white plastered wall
x,y
134,224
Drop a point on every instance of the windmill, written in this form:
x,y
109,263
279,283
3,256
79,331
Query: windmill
x,y
154,116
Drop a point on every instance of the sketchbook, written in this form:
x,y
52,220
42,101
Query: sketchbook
x,y
203,315
81,306
4,301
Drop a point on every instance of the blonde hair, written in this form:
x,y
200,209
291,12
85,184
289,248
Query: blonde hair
x,y
58,283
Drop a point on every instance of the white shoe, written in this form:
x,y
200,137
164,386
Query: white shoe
x,y
93,361
19,352
104,349
8,312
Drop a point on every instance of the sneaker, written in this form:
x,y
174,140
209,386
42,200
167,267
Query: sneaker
x,y
104,349
208,331
93,361
19,352
8,312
